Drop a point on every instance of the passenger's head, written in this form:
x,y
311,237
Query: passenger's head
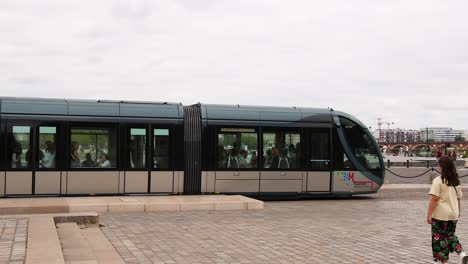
x,y
448,171
75,146
88,156
274,152
234,152
104,157
243,152
235,144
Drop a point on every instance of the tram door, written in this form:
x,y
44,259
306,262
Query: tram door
x,y
318,160
31,151
19,175
136,167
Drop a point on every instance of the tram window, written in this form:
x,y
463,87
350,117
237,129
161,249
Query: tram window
x,y
318,151
281,150
161,148
362,145
19,147
137,148
47,149
93,148
347,164
237,150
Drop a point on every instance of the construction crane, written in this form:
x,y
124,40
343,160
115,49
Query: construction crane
x,y
380,122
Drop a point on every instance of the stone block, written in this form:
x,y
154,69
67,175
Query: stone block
x,y
163,207
126,208
81,208
197,206
228,205
254,205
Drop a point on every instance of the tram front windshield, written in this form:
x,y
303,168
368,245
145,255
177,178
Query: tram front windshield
x,y
362,146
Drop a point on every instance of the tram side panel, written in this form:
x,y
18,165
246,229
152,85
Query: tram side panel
x,y
209,154
358,164
178,159
226,171
94,163
353,182
235,171
2,155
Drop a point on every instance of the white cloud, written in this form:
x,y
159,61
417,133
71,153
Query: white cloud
x,y
404,61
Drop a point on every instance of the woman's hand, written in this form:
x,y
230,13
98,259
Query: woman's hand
x,y
432,204
429,219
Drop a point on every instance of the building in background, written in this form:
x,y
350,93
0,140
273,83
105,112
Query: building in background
x,y
442,134
398,135
429,134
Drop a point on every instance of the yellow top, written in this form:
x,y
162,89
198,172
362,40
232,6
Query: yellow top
x,y
447,206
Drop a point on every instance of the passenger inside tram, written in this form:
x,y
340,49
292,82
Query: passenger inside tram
x,y
15,151
232,162
74,158
88,162
48,155
283,161
242,158
268,158
274,158
104,161
221,157
292,156
254,160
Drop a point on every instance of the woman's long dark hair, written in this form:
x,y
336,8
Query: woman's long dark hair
x,y
449,172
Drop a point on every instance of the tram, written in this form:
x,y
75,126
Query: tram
x,y
58,147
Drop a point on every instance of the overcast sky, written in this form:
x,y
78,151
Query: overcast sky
x,y
405,61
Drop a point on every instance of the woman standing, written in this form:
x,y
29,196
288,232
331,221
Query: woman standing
x,y
444,211
74,158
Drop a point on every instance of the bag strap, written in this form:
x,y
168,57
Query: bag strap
x,y
457,194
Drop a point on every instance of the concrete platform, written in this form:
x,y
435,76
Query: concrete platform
x,y
43,242
126,204
58,238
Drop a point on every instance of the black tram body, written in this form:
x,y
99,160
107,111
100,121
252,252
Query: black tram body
x,y
58,147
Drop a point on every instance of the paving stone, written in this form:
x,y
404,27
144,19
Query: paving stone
x,y
13,240
388,227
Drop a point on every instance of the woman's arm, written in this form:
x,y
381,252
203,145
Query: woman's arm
x,y
432,204
459,210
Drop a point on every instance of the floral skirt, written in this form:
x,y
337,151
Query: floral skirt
x,y
444,239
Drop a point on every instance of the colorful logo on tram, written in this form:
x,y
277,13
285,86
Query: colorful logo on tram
x,y
345,176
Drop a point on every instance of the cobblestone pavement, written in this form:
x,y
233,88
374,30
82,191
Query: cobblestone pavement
x,y
385,228
13,240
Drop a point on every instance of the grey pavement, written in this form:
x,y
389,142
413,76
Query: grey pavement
x,y
388,227
13,240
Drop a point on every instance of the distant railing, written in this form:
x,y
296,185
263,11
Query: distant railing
x,y
419,163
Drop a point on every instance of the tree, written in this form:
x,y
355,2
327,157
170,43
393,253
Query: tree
x,y
459,138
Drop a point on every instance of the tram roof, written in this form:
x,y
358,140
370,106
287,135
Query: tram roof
x,y
101,108
146,109
265,113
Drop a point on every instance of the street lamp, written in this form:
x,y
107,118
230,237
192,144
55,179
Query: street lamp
x,y
427,142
